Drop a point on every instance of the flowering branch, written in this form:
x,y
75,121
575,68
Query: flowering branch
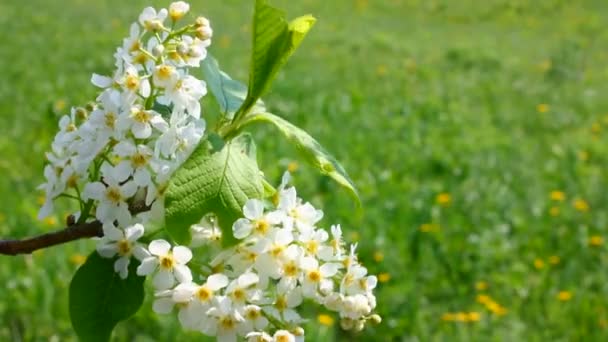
x,y
70,233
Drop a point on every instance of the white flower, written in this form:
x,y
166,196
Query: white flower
x,y
355,280
136,161
290,268
103,119
178,9
317,277
242,289
205,232
152,21
140,121
224,321
255,221
180,139
185,94
284,304
258,336
272,250
122,242
132,84
313,242
254,318
164,75
171,264
195,300
283,336
112,196
297,215
188,291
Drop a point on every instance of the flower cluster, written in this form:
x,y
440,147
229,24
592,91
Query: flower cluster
x,y
282,258
116,155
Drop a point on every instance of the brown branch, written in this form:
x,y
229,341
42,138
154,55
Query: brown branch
x,y
71,233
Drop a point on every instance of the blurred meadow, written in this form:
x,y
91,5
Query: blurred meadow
x,y
476,132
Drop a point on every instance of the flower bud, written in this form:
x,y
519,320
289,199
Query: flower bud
x,y
375,319
204,32
298,331
154,26
347,323
158,50
91,106
182,48
359,326
81,114
178,9
201,21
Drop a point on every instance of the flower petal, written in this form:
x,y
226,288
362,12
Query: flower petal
x,y
182,254
159,247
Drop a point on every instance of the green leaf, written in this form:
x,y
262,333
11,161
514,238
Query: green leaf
x,y
274,41
312,151
213,181
99,298
228,93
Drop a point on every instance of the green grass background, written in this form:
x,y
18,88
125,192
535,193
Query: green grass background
x,y
416,98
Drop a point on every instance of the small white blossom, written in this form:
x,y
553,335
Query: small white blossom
x,y
122,243
171,264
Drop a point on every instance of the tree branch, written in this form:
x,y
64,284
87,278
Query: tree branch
x,y
71,233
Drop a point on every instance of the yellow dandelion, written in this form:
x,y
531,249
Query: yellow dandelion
x,y
50,221
557,195
378,256
483,299
381,70
293,166
603,323
564,296
384,277
481,286
542,108
583,156
361,5
78,259
410,64
539,264
554,260
428,227
596,241
443,199
40,199
461,316
448,317
354,236
326,320
59,105
554,211
496,309
225,41
545,65
473,316
596,128
581,205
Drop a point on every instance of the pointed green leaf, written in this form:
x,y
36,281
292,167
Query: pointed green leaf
x,y
274,41
312,151
218,181
99,298
228,93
